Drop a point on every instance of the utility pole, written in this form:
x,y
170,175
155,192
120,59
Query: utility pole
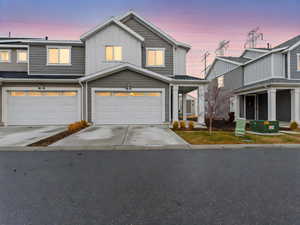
x,y
252,37
223,46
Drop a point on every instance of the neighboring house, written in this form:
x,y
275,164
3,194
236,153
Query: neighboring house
x,y
265,82
190,107
124,71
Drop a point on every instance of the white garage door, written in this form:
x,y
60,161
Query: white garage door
x,y
128,107
42,107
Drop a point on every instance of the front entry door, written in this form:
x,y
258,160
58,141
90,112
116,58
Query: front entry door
x,y
250,107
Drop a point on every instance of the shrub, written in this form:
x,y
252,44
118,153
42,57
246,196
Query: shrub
x,y
191,125
293,125
73,127
175,125
182,124
84,123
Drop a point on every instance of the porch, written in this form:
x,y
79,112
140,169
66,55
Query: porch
x,y
276,103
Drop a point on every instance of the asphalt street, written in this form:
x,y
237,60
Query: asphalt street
x,y
207,187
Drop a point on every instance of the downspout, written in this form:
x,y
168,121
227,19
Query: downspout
x,y
86,101
82,90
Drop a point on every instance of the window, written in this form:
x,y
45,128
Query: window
x,y
21,56
298,62
113,53
59,55
5,56
220,81
155,57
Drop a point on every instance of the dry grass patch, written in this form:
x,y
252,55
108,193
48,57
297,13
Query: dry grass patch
x,y
225,137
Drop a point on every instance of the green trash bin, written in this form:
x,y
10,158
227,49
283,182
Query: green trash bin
x,y
264,126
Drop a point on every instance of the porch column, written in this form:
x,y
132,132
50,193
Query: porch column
x,y
295,104
201,104
184,96
237,107
175,102
272,104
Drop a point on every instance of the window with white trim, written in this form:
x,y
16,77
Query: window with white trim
x,y
5,56
220,81
298,62
22,56
113,53
155,57
58,55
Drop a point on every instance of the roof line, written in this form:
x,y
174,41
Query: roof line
x,y
157,29
106,23
229,61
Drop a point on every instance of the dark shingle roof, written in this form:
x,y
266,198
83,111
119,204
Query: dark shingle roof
x,y
235,59
289,43
24,75
186,77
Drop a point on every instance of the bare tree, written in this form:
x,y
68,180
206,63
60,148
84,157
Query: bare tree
x,y
217,101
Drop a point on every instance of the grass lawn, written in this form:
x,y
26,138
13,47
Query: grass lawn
x,y
225,137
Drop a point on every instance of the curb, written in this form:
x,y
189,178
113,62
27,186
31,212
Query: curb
x,y
243,146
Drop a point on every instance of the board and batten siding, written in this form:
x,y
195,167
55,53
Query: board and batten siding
x,y
252,54
278,65
220,68
111,35
258,70
13,65
122,80
295,74
38,61
180,61
233,79
153,40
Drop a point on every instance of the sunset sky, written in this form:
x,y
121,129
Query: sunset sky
x,y
199,23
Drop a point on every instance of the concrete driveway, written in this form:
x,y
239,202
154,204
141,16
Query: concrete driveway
x,y
111,135
25,135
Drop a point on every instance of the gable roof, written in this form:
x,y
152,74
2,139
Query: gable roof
x,y
107,23
155,28
122,67
289,43
235,59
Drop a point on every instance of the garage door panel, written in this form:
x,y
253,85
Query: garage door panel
x,y
42,108
128,108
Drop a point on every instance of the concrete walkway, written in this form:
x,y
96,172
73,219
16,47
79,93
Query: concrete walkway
x,y
25,135
123,135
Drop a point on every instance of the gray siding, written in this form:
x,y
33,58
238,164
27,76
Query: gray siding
x,y
1,106
262,106
252,54
283,105
294,73
13,65
38,61
125,78
220,68
233,79
152,40
242,109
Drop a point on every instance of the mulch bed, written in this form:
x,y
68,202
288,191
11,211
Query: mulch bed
x,y
50,140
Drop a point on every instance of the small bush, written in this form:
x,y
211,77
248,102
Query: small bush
x,y
191,125
293,125
84,123
175,125
182,124
73,127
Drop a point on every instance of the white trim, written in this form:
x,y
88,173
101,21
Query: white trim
x,y
94,90
272,65
289,65
28,67
293,46
156,49
18,51
113,53
298,62
155,28
13,46
59,47
55,74
108,22
36,88
25,80
9,56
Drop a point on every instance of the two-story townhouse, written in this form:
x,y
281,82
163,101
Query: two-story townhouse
x,y
265,82
124,71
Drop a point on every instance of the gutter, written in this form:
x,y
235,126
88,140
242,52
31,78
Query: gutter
x,y
15,80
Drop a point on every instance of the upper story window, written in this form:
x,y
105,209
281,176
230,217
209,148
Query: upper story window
x,y
5,56
155,57
59,55
113,53
22,56
298,62
220,81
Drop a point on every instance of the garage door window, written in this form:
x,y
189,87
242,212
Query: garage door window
x,y
41,93
17,93
133,94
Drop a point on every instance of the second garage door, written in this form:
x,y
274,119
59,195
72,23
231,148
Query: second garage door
x,y
138,107
42,107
